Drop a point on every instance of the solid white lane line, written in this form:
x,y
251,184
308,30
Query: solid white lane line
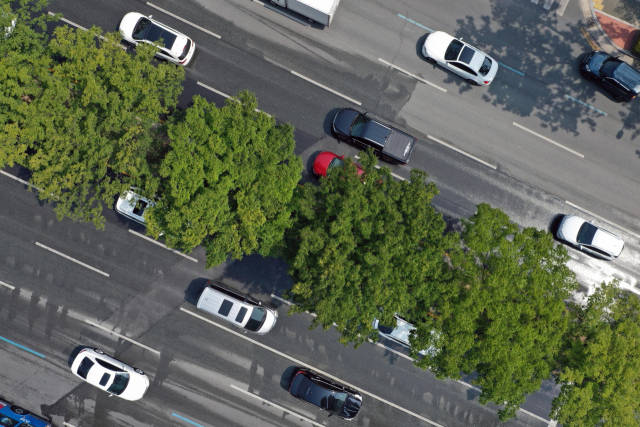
x,y
121,336
533,415
462,152
325,88
468,385
602,219
391,350
392,174
412,75
300,363
20,180
68,425
72,259
226,96
548,140
213,90
562,7
82,28
7,285
282,299
183,20
276,406
160,244
547,4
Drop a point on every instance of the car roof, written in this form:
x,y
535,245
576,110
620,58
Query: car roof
x,y
225,303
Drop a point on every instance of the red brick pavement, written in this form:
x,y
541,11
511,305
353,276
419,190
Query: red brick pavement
x,y
623,35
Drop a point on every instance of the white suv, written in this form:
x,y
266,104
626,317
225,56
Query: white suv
x,y
236,308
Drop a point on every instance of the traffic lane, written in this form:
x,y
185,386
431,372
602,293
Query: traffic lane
x,y
141,274
391,379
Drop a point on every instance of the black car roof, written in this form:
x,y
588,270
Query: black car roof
x,y
155,32
312,392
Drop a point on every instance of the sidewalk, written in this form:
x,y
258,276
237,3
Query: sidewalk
x,y
613,26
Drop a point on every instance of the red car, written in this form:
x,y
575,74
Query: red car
x,y
327,160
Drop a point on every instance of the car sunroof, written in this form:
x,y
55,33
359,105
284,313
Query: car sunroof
x,y
466,55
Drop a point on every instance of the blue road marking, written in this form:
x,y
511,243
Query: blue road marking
x,y
22,347
187,420
416,23
512,69
585,104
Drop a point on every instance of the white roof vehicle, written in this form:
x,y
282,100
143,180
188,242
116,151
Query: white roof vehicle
x,y
400,334
137,28
476,67
133,206
109,374
590,238
236,308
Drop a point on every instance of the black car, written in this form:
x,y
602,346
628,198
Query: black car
x,y
619,78
358,128
336,398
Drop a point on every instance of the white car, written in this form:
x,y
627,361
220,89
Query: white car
x,y
133,206
137,28
476,67
590,238
109,374
400,334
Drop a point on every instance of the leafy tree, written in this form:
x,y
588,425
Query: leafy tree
x,y
228,180
87,107
600,372
363,248
22,57
505,317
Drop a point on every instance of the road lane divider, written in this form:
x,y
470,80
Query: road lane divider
x,y
416,23
82,28
224,95
164,246
585,104
183,20
325,88
548,140
300,363
602,219
186,419
464,153
72,259
7,285
268,402
392,174
22,347
411,75
95,325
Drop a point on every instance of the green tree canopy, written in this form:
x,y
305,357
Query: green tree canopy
x,y
364,248
83,107
228,180
505,317
600,373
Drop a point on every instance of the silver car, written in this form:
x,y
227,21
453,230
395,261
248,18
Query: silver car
x,y
476,67
400,333
590,238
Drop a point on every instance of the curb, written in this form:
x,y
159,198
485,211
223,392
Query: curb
x,y
597,33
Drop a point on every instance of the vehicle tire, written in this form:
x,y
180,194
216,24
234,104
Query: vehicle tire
x,y
430,60
97,350
472,82
619,99
586,76
18,410
273,3
138,371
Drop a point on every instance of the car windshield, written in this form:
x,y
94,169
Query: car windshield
x,y
8,422
141,29
628,76
358,125
335,162
486,66
257,319
336,402
119,384
85,366
586,233
453,50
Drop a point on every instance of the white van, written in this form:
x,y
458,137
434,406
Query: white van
x,y
236,308
400,334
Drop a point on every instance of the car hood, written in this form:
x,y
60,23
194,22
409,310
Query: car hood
x,y
136,388
608,242
268,323
492,71
437,43
569,227
129,22
595,62
351,407
343,120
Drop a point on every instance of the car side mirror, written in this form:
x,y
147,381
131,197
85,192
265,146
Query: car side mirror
x,y
150,16
580,246
460,39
